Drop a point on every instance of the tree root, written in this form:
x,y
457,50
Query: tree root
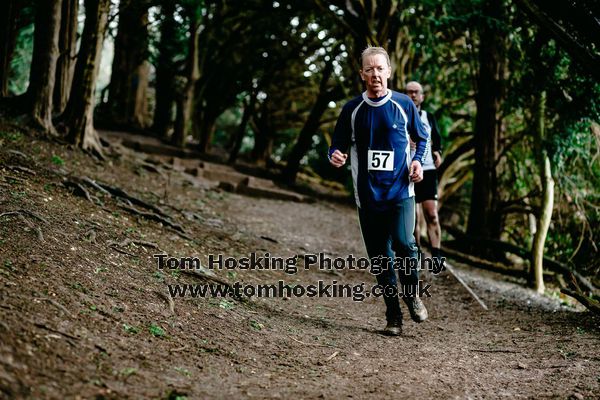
x,y
21,215
199,273
18,153
90,236
14,178
78,185
93,184
155,217
67,335
56,304
20,168
32,214
118,192
78,190
119,246
168,299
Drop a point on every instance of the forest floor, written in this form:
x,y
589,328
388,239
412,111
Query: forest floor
x,y
86,314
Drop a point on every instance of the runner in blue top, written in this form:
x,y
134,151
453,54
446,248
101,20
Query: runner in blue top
x,y
376,129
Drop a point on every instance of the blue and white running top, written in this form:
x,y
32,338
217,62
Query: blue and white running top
x,y
378,133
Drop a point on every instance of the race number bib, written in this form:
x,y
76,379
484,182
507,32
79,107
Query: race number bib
x,y
381,160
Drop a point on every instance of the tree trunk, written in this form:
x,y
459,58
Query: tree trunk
x,y
43,62
165,72
79,113
129,78
483,220
8,36
263,137
206,129
543,221
186,99
67,46
304,142
241,131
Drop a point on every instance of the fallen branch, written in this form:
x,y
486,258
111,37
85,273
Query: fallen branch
x,y
269,239
589,303
462,282
482,263
525,254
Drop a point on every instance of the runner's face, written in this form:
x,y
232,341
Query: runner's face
x,y
375,72
415,92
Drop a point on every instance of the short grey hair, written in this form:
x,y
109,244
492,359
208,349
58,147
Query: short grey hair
x,y
416,83
372,51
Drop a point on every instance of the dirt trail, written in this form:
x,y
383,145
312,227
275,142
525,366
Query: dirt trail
x,y
82,317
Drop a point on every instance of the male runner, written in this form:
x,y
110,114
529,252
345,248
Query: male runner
x,y
376,128
426,191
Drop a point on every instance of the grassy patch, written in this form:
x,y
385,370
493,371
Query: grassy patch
x,y
157,331
159,276
56,160
256,325
227,305
11,136
130,329
78,286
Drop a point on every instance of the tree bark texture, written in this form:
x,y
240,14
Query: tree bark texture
x,y
483,219
67,46
263,136
129,79
79,113
186,98
304,141
241,131
165,71
43,62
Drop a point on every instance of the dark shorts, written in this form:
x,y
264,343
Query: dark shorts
x,y
427,188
